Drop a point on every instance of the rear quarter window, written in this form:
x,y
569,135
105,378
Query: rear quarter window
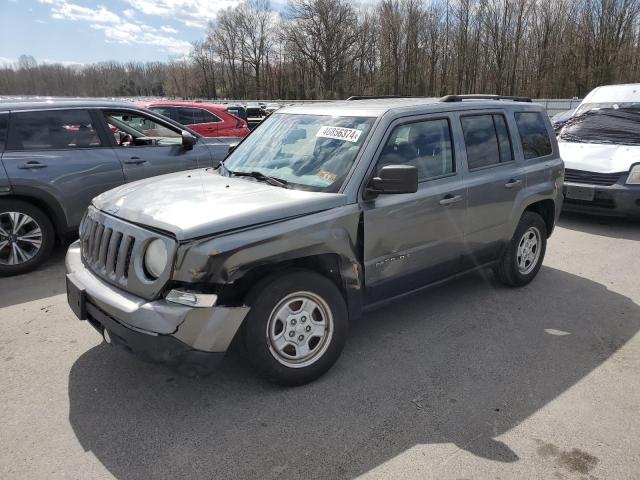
x,y
533,135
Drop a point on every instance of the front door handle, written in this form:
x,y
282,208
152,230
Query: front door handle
x,y
451,199
135,161
32,165
512,183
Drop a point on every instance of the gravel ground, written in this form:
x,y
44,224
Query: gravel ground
x,y
470,380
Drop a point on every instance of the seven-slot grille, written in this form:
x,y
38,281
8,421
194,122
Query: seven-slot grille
x,y
107,250
591,178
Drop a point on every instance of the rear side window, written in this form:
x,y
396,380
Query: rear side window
x,y
52,130
4,125
486,139
203,116
168,112
185,116
533,135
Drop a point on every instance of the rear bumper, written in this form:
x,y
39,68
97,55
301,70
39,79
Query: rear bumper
x,y
616,200
159,330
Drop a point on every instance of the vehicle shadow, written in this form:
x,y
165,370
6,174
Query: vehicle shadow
x,y
462,364
47,281
610,227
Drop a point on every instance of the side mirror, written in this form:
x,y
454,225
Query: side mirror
x,y
395,179
188,140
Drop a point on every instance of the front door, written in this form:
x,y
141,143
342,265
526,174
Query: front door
x,y
59,155
148,147
411,240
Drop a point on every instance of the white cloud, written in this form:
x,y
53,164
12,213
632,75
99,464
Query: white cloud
x,y
192,13
117,29
63,10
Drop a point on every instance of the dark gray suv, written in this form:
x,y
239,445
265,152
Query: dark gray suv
x,y
323,212
57,155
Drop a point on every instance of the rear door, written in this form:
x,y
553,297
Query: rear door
x,y
414,239
211,125
199,120
146,146
59,155
493,179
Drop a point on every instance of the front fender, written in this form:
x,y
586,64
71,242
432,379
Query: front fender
x,y
226,258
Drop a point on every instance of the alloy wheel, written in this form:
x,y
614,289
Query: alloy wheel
x,y
20,238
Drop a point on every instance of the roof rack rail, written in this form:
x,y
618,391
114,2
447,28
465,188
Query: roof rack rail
x,y
460,98
374,97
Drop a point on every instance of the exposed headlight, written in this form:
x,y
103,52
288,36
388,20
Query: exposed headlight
x,y
156,258
634,175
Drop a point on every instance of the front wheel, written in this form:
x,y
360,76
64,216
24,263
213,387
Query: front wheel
x,y
26,237
522,258
296,328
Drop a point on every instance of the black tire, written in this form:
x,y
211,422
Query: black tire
x,y
507,270
47,243
263,300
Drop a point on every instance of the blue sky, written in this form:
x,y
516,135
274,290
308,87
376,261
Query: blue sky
x,y
87,31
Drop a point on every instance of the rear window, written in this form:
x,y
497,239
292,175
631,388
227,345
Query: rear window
x,y
4,125
52,129
486,139
533,135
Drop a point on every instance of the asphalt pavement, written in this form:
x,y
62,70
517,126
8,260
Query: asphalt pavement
x,y
472,380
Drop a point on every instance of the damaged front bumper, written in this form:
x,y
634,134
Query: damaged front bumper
x,y
189,337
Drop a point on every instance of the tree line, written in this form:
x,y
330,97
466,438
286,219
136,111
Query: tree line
x,y
335,48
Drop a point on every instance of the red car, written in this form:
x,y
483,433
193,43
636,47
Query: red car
x,y
204,118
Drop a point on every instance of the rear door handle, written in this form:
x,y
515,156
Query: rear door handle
x,y
135,161
512,183
451,199
32,165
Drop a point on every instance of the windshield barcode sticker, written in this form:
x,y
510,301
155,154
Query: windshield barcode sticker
x,y
339,133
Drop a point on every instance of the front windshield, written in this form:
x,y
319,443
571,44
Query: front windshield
x,y
308,152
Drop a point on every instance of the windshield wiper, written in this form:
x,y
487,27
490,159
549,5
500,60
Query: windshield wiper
x,y
278,182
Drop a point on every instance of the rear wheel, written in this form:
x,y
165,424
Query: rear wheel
x,y
296,328
523,257
26,237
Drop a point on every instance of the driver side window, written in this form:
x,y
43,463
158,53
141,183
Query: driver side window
x,y
425,145
130,128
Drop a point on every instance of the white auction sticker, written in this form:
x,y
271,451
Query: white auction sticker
x,y
339,133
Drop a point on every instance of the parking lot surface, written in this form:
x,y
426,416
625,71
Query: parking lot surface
x,y
469,380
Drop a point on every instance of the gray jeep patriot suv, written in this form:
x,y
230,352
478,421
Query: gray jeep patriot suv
x,y
324,211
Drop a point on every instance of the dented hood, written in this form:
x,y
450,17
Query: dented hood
x,y
199,203
601,158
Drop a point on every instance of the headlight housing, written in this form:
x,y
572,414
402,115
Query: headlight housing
x,y
156,258
634,175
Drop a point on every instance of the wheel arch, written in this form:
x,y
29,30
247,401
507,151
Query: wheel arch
x,y
547,210
339,270
49,206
